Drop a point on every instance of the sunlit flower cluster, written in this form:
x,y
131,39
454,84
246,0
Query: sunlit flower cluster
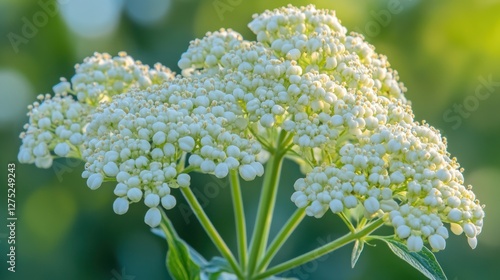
x,y
343,108
102,76
56,126
318,42
141,139
55,129
402,171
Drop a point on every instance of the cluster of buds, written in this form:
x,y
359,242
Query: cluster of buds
x,y
352,130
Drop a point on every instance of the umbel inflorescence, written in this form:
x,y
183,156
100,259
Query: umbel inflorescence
x,y
350,127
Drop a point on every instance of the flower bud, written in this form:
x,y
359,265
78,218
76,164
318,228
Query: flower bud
x,y
153,217
134,194
61,149
152,200
94,181
437,242
183,180
120,206
168,201
415,243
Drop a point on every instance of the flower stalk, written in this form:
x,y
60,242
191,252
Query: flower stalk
x,y
266,206
210,230
325,249
239,216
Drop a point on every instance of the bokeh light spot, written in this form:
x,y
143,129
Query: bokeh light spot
x,y
16,93
147,12
49,213
91,18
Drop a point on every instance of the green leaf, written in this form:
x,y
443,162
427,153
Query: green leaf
x,y
179,262
424,261
356,251
183,262
217,264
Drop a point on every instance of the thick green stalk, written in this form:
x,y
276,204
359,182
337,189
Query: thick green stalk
x,y
266,205
210,230
325,249
239,216
282,237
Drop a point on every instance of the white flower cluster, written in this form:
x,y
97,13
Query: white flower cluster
x,y
401,170
318,42
207,52
102,76
140,140
57,124
55,129
353,130
346,109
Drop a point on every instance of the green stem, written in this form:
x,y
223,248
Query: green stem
x,y
327,248
282,237
210,230
239,216
167,227
347,221
266,206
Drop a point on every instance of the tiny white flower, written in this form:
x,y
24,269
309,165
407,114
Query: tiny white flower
x,y
247,172
94,181
24,156
233,151
186,143
61,149
455,215
169,150
316,209
207,166
168,201
76,139
443,175
388,205
267,120
397,177
415,243
336,206
133,181
403,231
120,189
153,217
437,242
470,230
152,200
195,160
121,205
44,123
221,170
111,156
472,242
40,150
259,169
443,232
134,194
337,120
350,201
372,205
184,180
122,177
62,87
43,162
110,169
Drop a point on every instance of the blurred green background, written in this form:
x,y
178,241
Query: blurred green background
x,y
446,52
